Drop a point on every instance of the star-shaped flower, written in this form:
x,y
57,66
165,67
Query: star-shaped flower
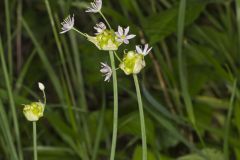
x,y
144,51
100,27
96,6
106,70
122,35
67,24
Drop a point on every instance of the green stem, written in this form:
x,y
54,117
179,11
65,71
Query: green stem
x,y
35,140
119,59
105,19
142,121
83,34
115,109
44,98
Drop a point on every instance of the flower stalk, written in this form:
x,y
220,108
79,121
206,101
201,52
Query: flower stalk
x,y
115,106
35,140
142,120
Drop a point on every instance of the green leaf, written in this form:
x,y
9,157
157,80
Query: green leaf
x,y
163,24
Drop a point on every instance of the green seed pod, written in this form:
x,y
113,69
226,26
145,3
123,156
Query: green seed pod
x,y
33,111
132,63
105,41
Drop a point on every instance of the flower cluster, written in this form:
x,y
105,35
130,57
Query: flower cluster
x,y
109,40
35,110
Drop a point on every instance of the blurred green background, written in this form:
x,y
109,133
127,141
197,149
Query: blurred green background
x,y
199,71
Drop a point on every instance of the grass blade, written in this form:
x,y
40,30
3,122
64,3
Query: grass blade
x,y
11,101
7,133
9,37
228,122
182,73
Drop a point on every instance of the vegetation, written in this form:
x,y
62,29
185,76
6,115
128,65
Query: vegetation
x,y
189,87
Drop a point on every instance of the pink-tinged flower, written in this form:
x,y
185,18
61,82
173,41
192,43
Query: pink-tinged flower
x,y
144,51
122,35
100,27
106,70
67,24
95,7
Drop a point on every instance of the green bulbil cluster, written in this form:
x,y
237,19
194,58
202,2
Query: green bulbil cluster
x,y
33,111
105,41
132,63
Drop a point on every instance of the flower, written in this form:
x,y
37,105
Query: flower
x,y
100,27
41,86
144,51
106,40
96,6
132,63
33,111
106,70
67,24
122,36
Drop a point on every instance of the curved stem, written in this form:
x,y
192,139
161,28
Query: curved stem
x,y
35,140
44,98
119,59
115,109
142,121
105,19
83,34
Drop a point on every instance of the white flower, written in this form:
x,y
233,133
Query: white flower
x,y
67,24
100,27
122,36
144,51
41,86
106,70
96,6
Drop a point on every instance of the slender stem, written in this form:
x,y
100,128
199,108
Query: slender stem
x,y
44,97
115,109
119,59
83,34
142,121
115,97
105,19
35,140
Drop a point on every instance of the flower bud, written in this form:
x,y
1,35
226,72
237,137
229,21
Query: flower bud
x,y
106,41
41,86
132,63
33,111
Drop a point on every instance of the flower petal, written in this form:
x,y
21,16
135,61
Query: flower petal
x,y
139,50
126,31
120,30
126,41
130,36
